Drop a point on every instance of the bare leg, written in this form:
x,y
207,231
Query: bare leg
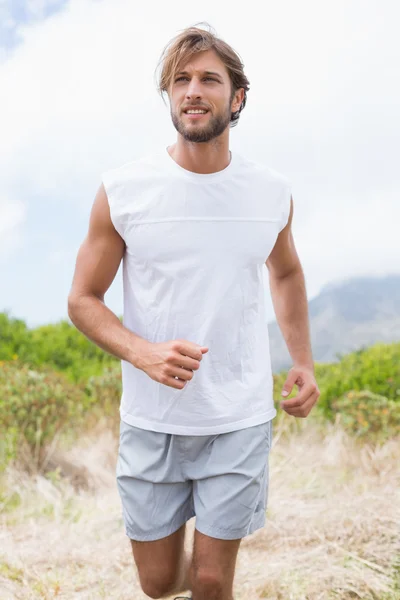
x,y
213,567
184,579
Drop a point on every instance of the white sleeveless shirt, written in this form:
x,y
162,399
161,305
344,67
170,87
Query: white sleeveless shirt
x,y
196,246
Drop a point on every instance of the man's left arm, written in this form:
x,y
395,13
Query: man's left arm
x,y
289,297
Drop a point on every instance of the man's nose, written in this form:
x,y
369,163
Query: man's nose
x,y
194,89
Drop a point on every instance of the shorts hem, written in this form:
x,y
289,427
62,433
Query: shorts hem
x,y
161,532
231,534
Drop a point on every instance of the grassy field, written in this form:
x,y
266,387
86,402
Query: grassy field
x,y
332,531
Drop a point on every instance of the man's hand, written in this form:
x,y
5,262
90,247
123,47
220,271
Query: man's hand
x,y
171,363
300,405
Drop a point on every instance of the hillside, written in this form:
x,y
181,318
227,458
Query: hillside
x,y
344,317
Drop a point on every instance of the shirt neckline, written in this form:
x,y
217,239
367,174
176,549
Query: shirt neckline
x,y
200,176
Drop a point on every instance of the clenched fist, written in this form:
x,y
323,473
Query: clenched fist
x,y
171,363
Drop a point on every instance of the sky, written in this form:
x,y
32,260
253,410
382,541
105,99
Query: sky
x,y
78,97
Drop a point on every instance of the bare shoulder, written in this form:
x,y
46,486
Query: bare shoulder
x,y
100,222
100,253
283,258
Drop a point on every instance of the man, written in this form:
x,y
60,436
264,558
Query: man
x,y
194,224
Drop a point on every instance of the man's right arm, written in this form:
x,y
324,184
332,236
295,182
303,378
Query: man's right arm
x,y
96,266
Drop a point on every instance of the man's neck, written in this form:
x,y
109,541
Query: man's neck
x,y
202,158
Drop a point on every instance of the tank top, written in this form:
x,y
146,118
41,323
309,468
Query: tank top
x,y
196,246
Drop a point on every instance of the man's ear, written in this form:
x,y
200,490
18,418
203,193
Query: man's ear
x,y
238,98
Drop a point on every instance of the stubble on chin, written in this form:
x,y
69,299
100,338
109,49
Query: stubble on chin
x,y
201,134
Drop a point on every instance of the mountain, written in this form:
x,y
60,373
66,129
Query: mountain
x,y
344,317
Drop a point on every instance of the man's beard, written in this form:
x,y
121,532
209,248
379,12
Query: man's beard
x,y
203,133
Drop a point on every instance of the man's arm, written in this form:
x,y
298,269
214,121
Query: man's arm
x,y
288,293
96,266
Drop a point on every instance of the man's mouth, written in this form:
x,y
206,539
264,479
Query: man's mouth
x,y
195,113
195,110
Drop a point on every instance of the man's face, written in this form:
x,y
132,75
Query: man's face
x,y
203,82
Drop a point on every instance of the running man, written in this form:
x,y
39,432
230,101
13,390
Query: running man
x,y
195,223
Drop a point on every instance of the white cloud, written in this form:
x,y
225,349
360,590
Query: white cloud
x,y
12,216
37,9
352,235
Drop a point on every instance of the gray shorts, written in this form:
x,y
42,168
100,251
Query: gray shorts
x,y
166,479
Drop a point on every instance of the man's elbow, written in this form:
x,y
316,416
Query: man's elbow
x,y
75,301
289,269
72,304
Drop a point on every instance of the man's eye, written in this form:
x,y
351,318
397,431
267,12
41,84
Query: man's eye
x,y
210,78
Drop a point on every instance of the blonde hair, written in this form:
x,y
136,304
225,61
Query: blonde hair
x,y
191,41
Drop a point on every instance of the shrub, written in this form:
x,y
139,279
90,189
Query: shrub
x,y
60,345
366,414
14,336
35,405
363,388
65,348
375,369
105,392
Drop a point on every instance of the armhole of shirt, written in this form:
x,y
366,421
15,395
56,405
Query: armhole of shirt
x,y
286,203
109,186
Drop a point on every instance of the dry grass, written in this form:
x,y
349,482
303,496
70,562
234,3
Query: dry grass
x,y
332,530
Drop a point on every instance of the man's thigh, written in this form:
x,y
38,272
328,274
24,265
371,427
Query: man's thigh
x,y
230,483
159,561
156,497
214,558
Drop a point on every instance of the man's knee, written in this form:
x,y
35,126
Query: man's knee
x,y
209,580
159,585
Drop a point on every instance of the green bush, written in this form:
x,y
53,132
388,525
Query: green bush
x,y
363,388
14,336
35,405
368,415
105,391
375,369
65,348
59,345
